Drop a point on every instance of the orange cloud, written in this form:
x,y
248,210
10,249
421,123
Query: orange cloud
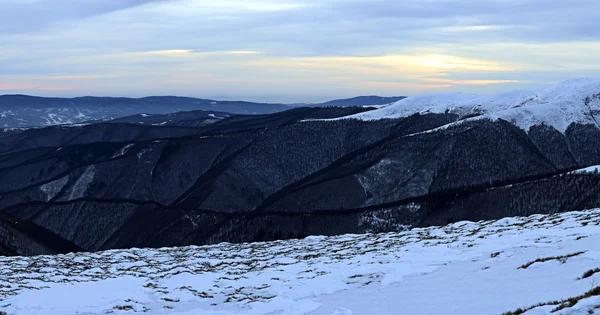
x,y
468,82
78,76
55,88
401,85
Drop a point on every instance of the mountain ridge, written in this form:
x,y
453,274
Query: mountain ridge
x,y
18,110
558,105
285,175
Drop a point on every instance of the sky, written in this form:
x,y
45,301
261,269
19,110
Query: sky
x,y
293,50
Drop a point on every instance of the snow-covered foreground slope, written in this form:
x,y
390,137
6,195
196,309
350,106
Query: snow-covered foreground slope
x,y
560,105
464,268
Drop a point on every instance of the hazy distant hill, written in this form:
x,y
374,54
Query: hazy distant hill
x,y
27,111
363,101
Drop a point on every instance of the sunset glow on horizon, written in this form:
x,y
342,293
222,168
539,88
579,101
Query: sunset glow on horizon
x,y
291,50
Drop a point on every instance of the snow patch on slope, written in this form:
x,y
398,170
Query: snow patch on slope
x,y
82,183
560,105
123,150
587,170
52,188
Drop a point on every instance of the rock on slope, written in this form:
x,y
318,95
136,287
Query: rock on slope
x,y
542,264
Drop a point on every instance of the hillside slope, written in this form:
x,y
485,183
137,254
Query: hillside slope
x,y
486,267
288,175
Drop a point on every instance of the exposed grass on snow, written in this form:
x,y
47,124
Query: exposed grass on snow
x,y
562,259
124,307
560,305
589,273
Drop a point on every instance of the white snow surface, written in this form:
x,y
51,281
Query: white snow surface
x,y
560,105
588,170
462,268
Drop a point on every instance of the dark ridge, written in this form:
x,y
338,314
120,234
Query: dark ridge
x,y
437,196
47,238
246,178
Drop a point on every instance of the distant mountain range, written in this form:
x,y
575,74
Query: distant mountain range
x,y
206,177
28,111
358,101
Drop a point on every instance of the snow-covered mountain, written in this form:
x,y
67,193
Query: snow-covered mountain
x,y
560,105
542,264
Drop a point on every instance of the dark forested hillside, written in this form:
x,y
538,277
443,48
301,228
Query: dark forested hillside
x,y
285,175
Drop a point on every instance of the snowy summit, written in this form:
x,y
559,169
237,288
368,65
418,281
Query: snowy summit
x,y
575,101
542,264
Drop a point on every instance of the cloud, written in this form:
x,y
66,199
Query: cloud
x,y
22,16
451,82
253,73
32,87
14,86
244,48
